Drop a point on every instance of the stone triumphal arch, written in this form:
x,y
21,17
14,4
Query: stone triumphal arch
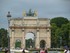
x,y
30,23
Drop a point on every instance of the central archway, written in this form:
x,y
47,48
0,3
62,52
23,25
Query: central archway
x,y
29,40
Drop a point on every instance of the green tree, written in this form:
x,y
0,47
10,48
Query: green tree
x,y
59,21
69,33
18,44
3,38
60,31
58,35
66,33
29,42
53,36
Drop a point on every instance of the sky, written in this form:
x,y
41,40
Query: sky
x,y
29,36
45,8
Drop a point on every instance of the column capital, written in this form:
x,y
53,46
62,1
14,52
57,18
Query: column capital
x,y
37,29
13,30
22,30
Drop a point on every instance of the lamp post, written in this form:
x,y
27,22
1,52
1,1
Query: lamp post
x,y
8,17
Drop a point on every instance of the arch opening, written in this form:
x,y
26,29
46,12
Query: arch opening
x,y
42,44
30,40
18,44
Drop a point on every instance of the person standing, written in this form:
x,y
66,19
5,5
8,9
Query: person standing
x,y
46,50
42,51
23,51
6,50
66,49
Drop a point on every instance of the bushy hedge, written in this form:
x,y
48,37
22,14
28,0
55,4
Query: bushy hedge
x,y
54,49
49,49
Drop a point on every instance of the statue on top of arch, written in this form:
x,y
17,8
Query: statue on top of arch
x,y
30,13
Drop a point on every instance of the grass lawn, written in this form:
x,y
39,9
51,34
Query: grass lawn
x,y
1,52
21,52
62,51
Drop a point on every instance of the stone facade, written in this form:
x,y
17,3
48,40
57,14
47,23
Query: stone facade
x,y
40,27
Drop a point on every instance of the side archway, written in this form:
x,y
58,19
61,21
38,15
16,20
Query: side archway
x,y
42,44
18,43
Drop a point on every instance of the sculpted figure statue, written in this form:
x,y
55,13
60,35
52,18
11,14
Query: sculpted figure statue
x,y
24,13
35,13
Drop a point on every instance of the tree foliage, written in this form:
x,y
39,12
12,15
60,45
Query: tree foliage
x,y
3,38
53,39
66,33
29,42
59,21
60,32
18,44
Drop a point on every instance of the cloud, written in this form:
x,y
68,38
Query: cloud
x,y
46,8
